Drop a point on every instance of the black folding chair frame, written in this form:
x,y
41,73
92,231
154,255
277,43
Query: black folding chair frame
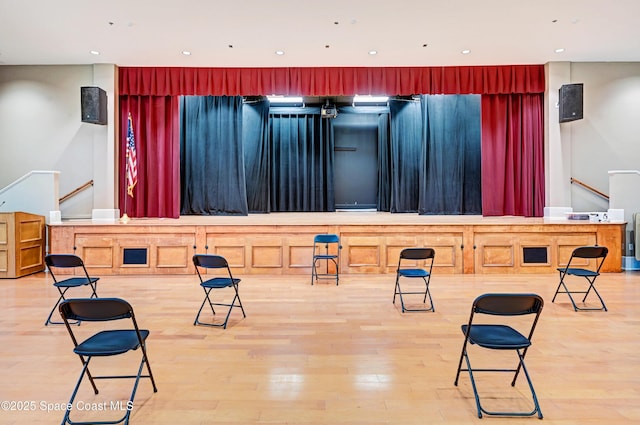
x,y
597,253
415,254
497,304
209,261
54,261
102,310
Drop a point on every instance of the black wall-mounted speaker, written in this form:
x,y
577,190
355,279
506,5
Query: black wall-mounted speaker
x,y
571,102
94,105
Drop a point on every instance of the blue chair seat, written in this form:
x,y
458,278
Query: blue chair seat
x,y
110,343
219,282
499,337
75,282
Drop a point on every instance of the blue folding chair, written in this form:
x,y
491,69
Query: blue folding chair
x,y
326,248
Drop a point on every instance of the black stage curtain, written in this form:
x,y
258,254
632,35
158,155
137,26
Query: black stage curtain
x,y
406,154
211,156
301,160
255,140
238,158
450,171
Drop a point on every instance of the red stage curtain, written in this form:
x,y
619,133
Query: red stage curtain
x,y
158,81
513,155
156,131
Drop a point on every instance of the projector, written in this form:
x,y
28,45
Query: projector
x,y
328,111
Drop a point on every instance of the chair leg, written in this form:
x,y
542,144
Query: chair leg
x,y
206,298
211,304
60,299
480,409
427,293
128,407
586,293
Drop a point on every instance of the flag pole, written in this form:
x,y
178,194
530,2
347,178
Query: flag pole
x,y
125,218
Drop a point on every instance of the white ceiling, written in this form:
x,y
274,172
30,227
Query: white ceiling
x,y
246,33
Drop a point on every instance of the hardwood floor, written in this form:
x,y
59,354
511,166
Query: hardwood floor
x,y
325,354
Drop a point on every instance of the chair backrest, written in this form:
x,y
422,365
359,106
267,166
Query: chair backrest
x,y
326,238
95,309
63,260
417,253
210,261
508,304
590,252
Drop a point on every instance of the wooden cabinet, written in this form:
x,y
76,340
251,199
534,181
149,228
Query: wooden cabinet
x,y
22,244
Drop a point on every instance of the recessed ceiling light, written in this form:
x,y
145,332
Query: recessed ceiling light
x,y
279,52
94,52
373,52
560,50
186,53
466,51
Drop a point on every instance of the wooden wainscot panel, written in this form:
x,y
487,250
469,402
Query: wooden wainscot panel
x,y
449,255
567,243
97,257
4,232
300,252
98,252
362,254
4,260
31,258
30,231
233,249
173,257
264,256
495,258
393,245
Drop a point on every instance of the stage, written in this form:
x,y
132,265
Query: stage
x,y
281,243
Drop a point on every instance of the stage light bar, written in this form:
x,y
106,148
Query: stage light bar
x,y
288,100
368,99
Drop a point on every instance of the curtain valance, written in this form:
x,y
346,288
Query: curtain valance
x,y
331,81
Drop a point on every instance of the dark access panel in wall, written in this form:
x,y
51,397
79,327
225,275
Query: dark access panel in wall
x,y
356,161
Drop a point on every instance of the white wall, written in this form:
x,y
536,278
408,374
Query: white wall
x,y
41,129
608,137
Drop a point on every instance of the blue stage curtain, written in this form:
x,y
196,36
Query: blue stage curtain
x,y
211,156
301,160
406,154
450,169
256,143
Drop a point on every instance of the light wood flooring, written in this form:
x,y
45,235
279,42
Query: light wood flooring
x,y
326,354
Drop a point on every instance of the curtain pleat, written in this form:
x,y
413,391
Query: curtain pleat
x,y
156,132
212,160
406,148
256,142
450,168
331,81
301,163
384,163
513,155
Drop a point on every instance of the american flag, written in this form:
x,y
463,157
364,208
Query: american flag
x,y
132,162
